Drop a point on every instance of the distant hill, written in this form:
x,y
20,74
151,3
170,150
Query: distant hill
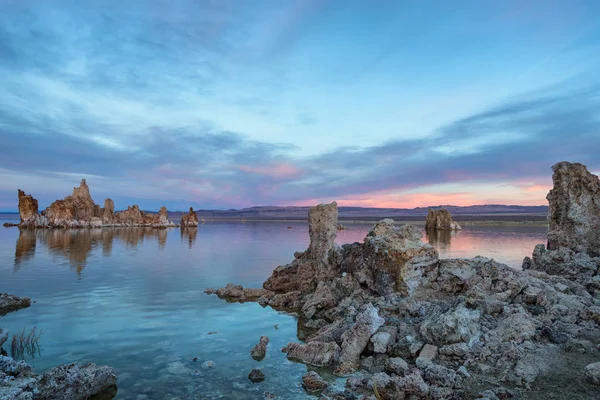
x,y
486,212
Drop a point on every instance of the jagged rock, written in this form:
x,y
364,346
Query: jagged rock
x,y
256,375
108,216
427,354
383,338
592,373
458,325
322,229
314,353
239,293
575,266
70,381
574,213
409,386
9,302
440,220
356,339
392,258
260,350
190,219
312,382
28,206
397,365
312,266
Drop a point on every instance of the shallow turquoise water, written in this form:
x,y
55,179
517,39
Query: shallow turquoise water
x,y
133,299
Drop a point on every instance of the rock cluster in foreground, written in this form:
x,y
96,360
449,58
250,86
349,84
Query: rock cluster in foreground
x,y
70,381
440,220
79,211
399,322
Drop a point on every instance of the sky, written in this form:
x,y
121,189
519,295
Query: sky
x,y
230,103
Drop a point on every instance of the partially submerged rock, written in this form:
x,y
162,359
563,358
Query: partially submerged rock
x,y
190,219
79,211
312,382
259,351
238,293
440,220
9,302
314,353
256,375
70,381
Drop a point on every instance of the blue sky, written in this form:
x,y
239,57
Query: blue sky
x,y
221,104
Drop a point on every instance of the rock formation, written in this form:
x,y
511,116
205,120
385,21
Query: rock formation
x,y
417,326
70,381
9,302
311,266
79,211
574,228
574,214
28,206
259,351
440,220
108,214
190,219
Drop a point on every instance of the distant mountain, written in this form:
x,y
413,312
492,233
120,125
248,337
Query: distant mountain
x,y
489,211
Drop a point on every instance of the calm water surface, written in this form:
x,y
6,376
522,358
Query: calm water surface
x,y
133,299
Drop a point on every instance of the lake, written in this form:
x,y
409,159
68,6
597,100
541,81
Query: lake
x,y
133,298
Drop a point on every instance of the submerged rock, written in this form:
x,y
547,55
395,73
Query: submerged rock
x,y
440,220
9,302
256,375
3,336
70,381
259,351
312,382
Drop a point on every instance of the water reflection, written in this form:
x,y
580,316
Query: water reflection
x,y
189,233
76,245
441,239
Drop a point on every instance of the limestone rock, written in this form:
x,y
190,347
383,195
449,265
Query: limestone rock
x,y
592,373
256,375
392,258
312,382
409,386
190,219
28,206
312,266
322,229
574,213
131,216
397,365
458,325
70,381
356,339
440,220
9,302
108,216
314,353
260,350
238,293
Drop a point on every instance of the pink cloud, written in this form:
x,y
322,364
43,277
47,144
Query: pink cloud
x,y
282,170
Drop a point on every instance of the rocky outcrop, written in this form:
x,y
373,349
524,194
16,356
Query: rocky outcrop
x,y
9,302
70,381
28,206
413,325
238,293
190,219
79,211
108,213
440,220
574,213
313,265
573,249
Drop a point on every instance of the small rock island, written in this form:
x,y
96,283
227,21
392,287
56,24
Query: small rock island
x,y
440,220
79,211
